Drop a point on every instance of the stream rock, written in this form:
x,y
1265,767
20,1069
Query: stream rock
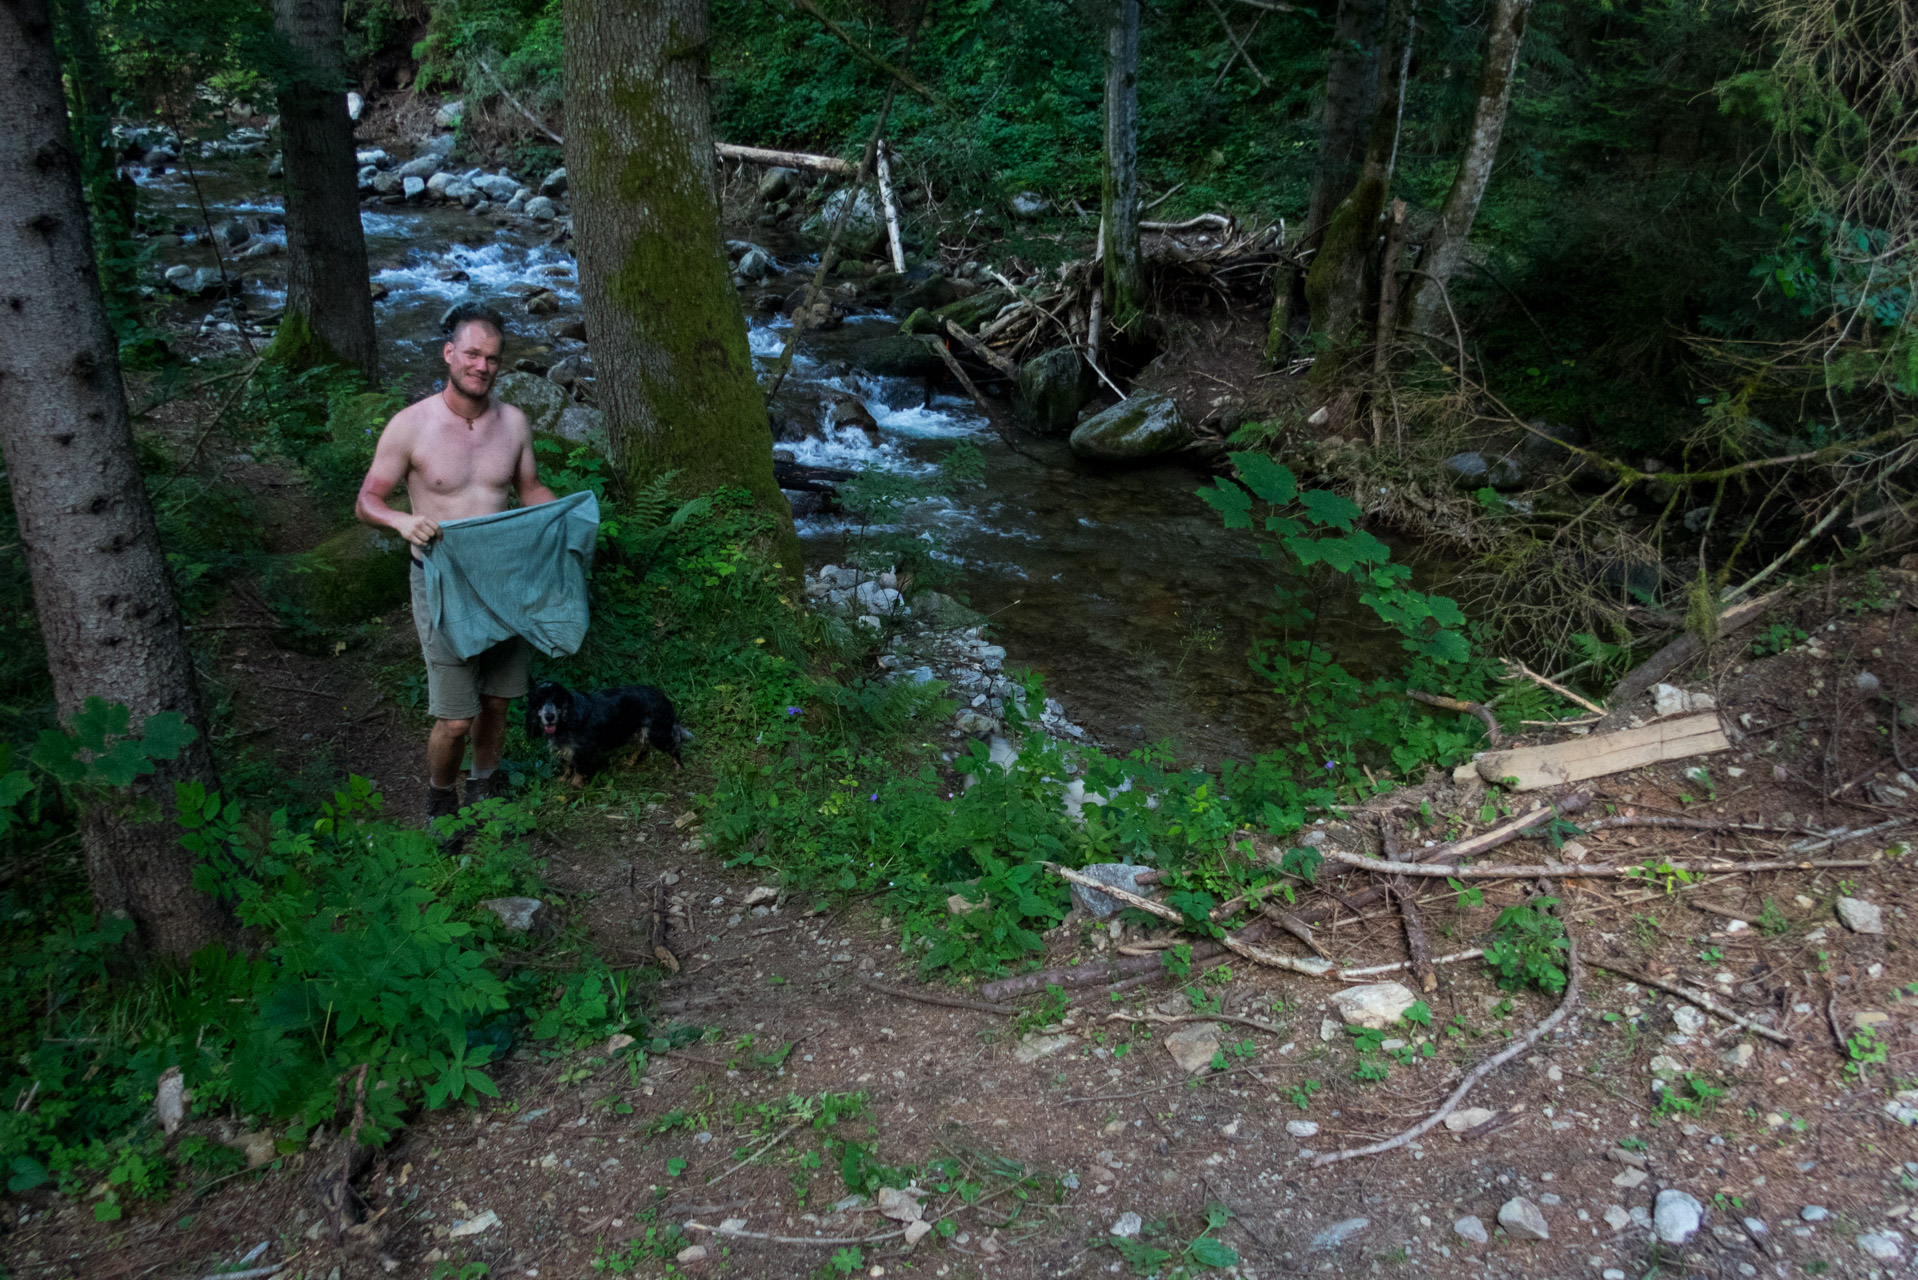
x,y
1051,390
1472,470
497,187
541,209
448,116
863,227
1133,430
897,356
412,187
939,291
776,184
553,185
1376,1005
419,167
541,401
1677,1215
1027,205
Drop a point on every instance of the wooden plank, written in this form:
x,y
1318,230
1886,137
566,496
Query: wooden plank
x,y
1601,754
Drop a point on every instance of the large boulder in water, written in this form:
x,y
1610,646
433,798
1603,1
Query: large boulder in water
x,y
863,227
898,356
357,574
1051,390
541,401
1133,430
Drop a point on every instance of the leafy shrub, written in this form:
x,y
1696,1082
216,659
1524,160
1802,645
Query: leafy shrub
x,y
1528,947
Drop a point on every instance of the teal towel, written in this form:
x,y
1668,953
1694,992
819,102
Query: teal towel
x,y
514,573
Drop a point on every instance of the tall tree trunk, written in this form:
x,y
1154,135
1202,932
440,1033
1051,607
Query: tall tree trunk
x,y
329,309
1351,94
1446,249
1335,287
669,335
1124,288
100,584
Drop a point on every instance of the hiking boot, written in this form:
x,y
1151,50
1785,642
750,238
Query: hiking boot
x,y
494,786
441,802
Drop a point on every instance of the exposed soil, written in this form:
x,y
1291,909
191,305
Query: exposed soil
x,y
579,1157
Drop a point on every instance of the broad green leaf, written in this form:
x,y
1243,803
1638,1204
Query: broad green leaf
x,y
1230,501
1208,1252
1269,480
1330,508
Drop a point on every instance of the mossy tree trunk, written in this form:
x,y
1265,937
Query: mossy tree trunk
x,y
1445,251
1351,94
1336,286
329,310
100,586
669,334
1124,288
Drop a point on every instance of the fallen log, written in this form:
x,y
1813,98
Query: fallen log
x,y
785,159
1683,649
1216,221
801,478
1585,870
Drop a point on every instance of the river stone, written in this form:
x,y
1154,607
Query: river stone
x,y
375,156
412,187
1120,875
449,114
276,167
541,209
936,292
440,144
354,105
896,357
1523,1220
582,424
1470,1228
756,263
1337,1234
1472,470
1860,916
357,574
971,313
541,401
462,191
1881,1245
1027,205
367,174
1145,426
1376,1005
1051,389
554,183
517,914
1194,1047
1676,1216
437,184
419,167
389,184
863,227
1468,1118
776,184
1033,1047
1546,441
497,186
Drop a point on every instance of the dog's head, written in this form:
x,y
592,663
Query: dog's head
x,y
547,709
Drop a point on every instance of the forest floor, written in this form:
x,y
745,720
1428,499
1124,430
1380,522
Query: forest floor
x,y
1035,1135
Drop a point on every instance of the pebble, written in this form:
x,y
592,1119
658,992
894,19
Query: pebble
x,y
1472,1229
1611,1273
1688,1020
1756,1226
1676,1216
1629,1178
690,1254
1127,1225
1740,1055
1860,916
1814,1213
1616,1218
1523,1220
1302,1128
1882,1245
1338,1233
1468,1118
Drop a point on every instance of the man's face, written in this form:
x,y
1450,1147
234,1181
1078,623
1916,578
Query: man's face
x,y
472,359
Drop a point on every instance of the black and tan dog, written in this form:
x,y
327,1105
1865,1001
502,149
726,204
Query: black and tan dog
x,y
586,729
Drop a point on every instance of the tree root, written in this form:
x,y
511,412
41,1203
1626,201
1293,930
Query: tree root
x,y
1704,1002
928,997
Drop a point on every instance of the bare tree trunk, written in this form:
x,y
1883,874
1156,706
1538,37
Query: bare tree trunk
x,y
1351,94
669,336
1335,287
1124,289
100,586
329,310
1446,249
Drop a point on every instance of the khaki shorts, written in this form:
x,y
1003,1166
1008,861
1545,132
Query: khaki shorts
x,y
454,685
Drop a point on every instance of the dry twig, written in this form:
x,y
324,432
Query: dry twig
x,y
1704,1002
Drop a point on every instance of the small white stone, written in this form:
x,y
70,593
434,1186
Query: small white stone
x,y
1523,1220
1127,1225
1470,1228
1302,1128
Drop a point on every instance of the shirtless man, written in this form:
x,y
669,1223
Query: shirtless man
x,y
460,453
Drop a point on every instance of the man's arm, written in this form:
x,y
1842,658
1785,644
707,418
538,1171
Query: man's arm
x,y
526,475
392,459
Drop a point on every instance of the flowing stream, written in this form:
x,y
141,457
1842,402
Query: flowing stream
x,y
1120,587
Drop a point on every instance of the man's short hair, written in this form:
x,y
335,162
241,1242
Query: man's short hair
x,y
474,313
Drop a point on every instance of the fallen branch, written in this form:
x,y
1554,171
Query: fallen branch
x,y
1585,870
1166,1084
928,997
1704,1002
1238,46
939,349
1082,975
1417,944
1711,909
893,240
1217,221
868,55
981,350
518,106
1237,946
766,1146
1516,670
1459,704
1523,1044
1683,649
1454,958
785,159
740,1233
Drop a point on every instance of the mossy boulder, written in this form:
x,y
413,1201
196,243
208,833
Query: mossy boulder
x,y
898,356
1051,390
1133,430
357,574
542,402
940,291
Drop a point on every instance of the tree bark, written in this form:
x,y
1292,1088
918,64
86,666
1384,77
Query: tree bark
x,y
329,310
1351,94
1446,249
1335,286
669,335
100,586
1124,287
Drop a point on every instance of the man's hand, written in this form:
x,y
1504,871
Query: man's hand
x,y
417,530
